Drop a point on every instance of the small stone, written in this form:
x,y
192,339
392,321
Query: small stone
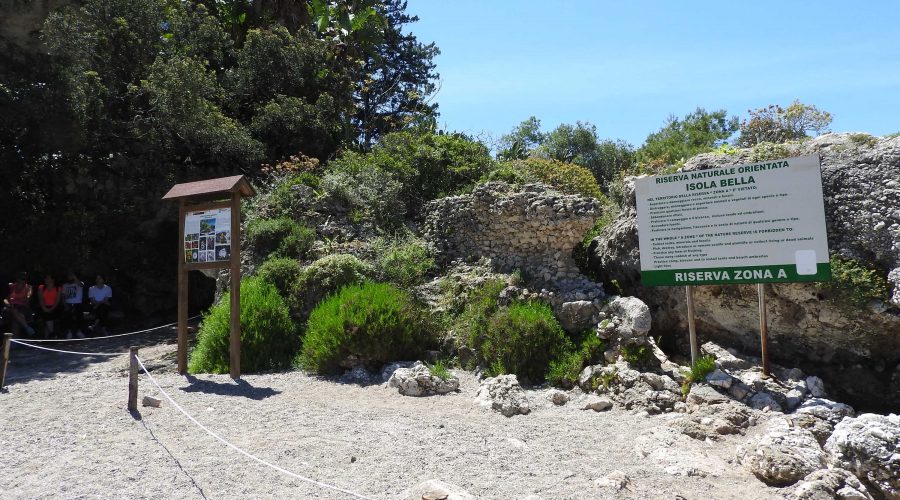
x,y
739,391
765,401
597,404
816,387
151,401
615,480
558,398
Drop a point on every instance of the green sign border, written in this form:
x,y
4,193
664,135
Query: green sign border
x,y
666,277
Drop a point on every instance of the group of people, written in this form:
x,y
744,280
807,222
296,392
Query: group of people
x,y
60,309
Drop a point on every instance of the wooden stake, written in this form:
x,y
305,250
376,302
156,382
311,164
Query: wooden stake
x,y
235,351
763,328
692,326
132,379
182,295
7,337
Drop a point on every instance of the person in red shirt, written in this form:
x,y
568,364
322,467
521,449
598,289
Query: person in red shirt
x,y
17,310
49,298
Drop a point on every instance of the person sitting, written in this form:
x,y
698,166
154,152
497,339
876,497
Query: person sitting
x,y
17,309
73,306
100,295
49,298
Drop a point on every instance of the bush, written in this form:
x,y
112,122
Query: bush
x,y
326,276
565,370
372,194
282,237
854,283
404,262
283,272
698,372
375,322
638,355
567,178
522,338
269,338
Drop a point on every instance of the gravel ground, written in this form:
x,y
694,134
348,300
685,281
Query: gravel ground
x,y
66,434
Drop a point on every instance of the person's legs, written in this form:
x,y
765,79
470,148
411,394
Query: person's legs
x,y
19,320
101,311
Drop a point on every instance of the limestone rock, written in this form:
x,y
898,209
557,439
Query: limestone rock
x,y
765,401
503,394
434,489
558,398
577,316
390,368
869,446
596,403
719,378
825,409
615,480
816,387
783,455
419,381
828,484
635,313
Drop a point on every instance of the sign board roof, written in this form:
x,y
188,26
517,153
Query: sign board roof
x,y
210,188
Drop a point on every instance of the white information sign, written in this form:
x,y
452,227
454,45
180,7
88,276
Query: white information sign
x,y
207,236
757,223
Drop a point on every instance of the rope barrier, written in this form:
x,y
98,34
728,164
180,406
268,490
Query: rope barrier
x,y
112,336
239,450
67,352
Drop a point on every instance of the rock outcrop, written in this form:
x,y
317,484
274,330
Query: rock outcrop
x,y
869,446
861,183
783,455
503,394
829,484
419,381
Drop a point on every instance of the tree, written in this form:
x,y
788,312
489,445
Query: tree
x,y
679,139
394,79
522,139
776,124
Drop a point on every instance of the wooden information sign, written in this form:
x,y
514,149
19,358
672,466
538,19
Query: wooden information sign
x,y
209,229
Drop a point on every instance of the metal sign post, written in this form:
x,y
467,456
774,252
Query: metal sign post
x,y
209,229
763,328
692,326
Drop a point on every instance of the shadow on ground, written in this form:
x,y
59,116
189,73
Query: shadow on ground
x,y
237,387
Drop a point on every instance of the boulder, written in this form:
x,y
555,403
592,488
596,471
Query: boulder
x,y
390,368
783,455
828,484
503,394
419,381
635,315
577,316
869,446
765,401
596,403
558,398
816,387
825,409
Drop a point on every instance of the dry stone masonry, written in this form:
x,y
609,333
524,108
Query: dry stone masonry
x,y
532,228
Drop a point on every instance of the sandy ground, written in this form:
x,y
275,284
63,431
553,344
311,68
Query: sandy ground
x,y
67,434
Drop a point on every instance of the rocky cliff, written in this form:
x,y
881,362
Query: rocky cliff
x,y
855,347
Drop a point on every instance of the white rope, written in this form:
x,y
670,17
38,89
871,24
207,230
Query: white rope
x,y
239,450
112,336
67,352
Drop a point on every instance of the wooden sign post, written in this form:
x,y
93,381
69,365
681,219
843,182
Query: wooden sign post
x,y
209,229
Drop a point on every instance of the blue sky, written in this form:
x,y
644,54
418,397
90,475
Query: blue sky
x,y
626,66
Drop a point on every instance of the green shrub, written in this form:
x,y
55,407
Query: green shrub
x,y
269,338
290,195
766,151
864,139
854,283
375,322
522,338
439,369
283,272
567,178
565,370
326,276
372,194
404,261
637,354
698,372
282,237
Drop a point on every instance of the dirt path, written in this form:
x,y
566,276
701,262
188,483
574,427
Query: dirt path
x,y
69,436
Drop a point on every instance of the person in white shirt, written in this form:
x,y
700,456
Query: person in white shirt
x,y
100,295
73,306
